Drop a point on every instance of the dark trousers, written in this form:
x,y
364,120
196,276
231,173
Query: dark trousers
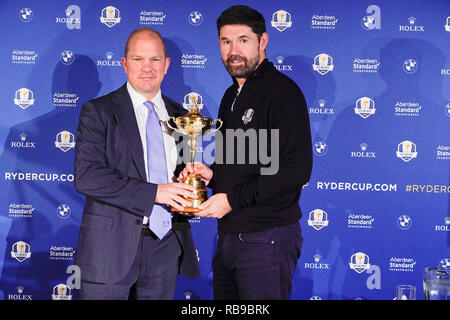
x,y
152,275
258,265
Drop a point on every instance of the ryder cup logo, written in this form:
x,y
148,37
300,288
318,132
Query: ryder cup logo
x,y
26,14
24,98
323,63
65,141
110,16
188,101
410,66
67,57
61,292
406,150
248,115
195,18
373,20
365,107
20,251
318,219
281,20
359,262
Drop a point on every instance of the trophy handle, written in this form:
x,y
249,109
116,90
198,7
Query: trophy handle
x,y
168,122
217,127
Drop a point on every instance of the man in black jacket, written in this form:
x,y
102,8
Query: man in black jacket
x,y
256,205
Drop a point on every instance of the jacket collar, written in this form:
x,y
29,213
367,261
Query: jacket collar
x,y
126,121
263,69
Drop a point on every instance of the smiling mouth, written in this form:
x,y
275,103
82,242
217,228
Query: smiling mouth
x,y
235,60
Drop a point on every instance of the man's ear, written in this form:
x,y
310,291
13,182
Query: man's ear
x,y
263,41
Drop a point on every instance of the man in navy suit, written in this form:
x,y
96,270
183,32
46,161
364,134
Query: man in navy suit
x,y
125,159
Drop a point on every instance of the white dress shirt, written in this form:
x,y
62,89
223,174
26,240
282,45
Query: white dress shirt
x,y
141,113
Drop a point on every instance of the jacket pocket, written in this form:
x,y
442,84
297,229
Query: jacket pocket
x,y
96,221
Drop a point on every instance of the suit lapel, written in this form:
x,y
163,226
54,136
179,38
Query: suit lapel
x,y
126,120
173,109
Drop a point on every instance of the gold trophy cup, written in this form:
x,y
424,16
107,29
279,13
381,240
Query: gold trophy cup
x,y
193,125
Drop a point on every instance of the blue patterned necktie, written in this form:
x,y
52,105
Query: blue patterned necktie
x,y
160,218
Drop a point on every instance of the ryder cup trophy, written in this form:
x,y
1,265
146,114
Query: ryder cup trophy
x,y
193,125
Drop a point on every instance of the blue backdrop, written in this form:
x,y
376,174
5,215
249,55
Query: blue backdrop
x,y
376,77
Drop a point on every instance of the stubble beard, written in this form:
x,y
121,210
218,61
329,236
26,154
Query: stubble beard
x,y
243,71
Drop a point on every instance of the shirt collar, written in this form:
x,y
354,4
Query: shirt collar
x,y
138,100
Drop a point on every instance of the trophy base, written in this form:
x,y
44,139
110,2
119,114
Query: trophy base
x,y
200,191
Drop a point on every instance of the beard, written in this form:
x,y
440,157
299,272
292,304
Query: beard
x,y
242,71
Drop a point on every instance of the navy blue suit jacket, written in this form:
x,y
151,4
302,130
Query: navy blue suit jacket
x,y
110,172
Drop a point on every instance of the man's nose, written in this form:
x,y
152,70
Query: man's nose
x,y
234,49
147,65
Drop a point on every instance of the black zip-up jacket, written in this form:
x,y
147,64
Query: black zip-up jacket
x,y
268,100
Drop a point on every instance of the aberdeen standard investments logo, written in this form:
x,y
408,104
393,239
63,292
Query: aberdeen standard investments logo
x,y
151,17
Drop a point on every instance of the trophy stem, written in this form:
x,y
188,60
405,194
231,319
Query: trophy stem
x,y
192,144
192,157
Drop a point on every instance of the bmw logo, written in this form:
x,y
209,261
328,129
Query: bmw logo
x,y
63,211
320,148
25,14
67,57
404,222
410,66
195,18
